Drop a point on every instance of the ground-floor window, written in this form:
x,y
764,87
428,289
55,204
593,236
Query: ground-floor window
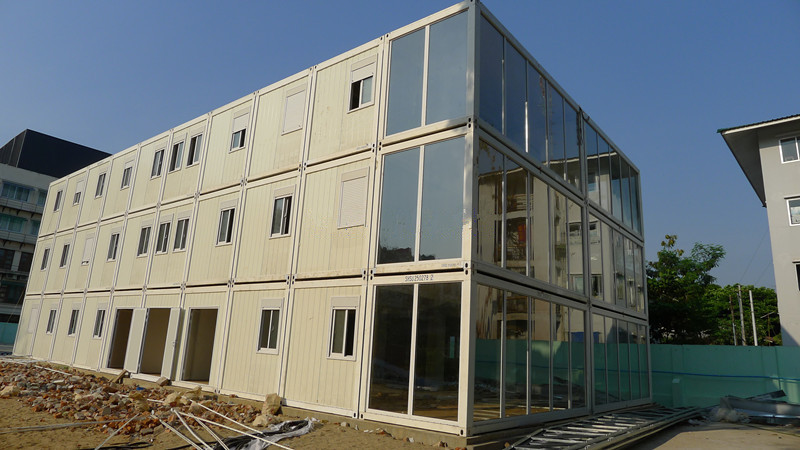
x,y
620,360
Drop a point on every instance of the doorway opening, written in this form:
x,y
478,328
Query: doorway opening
x,y
199,345
155,338
119,338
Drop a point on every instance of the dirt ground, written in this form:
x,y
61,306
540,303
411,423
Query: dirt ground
x,y
727,436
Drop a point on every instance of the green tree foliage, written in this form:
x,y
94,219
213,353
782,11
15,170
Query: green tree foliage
x,y
725,303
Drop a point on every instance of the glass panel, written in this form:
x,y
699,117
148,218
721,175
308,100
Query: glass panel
x,y
595,258
592,164
644,374
555,118
794,211
488,329
637,257
577,351
633,332
337,346
789,150
490,204
571,148
391,348
515,96
624,360
447,69
619,269
599,339
397,235
626,194
539,230
616,185
612,360
442,200
576,279
277,216
404,110
540,356
350,332
609,292
516,217
366,91
273,330
263,341
491,75
516,362
537,115
561,357
604,175
636,211
630,276
437,352
558,218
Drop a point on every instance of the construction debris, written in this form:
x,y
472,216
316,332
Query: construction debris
x,y
761,409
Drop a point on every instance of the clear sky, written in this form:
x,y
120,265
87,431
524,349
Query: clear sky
x,y
659,77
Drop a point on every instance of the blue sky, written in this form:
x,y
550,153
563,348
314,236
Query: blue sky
x,y
659,77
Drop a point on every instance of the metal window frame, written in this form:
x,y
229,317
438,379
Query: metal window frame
x,y
176,156
183,235
74,315
228,225
64,255
100,188
195,145
158,157
113,243
163,238
146,235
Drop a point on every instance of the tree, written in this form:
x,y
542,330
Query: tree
x,y
677,287
725,303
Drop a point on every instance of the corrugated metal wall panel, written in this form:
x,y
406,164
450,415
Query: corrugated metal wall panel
x,y
132,267
147,188
167,268
69,210
76,277
64,343
50,217
211,261
226,167
36,277
92,205
117,198
103,270
41,346
56,274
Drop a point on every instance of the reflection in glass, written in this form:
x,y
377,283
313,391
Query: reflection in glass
x,y
391,348
630,277
442,200
636,209
575,259
612,360
577,351
490,204
592,164
609,293
558,216
488,338
637,257
540,356
599,340
644,375
447,70
491,70
604,160
633,344
555,118
539,230
626,194
616,185
595,258
624,360
571,149
561,357
404,109
399,207
537,115
516,217
437,351
516,364
619,269
515,96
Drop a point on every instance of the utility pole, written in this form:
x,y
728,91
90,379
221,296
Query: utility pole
x,y
733,321
753,317
741,315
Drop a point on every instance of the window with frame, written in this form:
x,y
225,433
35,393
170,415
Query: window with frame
x,y
268,331
15,192
794,210
353,199
239,131
162,241
281,216
225,230
101,185
35,224
293,109
41,199
73,322
113,245
57,204
790,150
158,162
144,241
126,176
181,230
88,250
193,155
361,84
99,319
6,258
343,327
78,192
64,256
176,156
12,223
45,258
51,321
25,261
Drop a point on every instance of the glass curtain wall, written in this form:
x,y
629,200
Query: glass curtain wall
x,y
620,360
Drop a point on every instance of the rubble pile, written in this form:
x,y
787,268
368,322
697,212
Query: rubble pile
x,y
70,394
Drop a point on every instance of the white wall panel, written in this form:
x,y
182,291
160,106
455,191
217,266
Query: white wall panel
x,y
102,274
92,204
69,210
50,217
37,276
211,260
224,167
116,196
132,268
147,188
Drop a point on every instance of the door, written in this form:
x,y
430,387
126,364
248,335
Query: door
x,y
134,350
173,329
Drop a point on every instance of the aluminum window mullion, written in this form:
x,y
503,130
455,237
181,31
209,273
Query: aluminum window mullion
x,y
569,357
528,358
550,310
502,387
420,181
412,367
425,54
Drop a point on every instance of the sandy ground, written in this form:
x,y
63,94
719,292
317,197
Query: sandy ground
x,y
723,436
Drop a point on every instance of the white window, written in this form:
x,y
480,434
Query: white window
x,y
57,204
73,322
162,241
789,150
88,250
225,230
78,192
101,184
281,216
64,256
15,192
794,211
239,131
361,84
353,199
176,156
45,258
293,110
99,319
126,175
343,331
181,229
144,241
113,244
158,161
51,321
195,144
269,325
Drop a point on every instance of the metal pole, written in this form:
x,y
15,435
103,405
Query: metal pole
x,y
741,316
733,321
753,317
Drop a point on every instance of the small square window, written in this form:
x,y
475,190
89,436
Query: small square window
x,y
45,258
99,319
158,162
162,241
144,241
789,150
101,184
64,256
193,155
126,176
73,322
181,229
794,210
113,244
343,331
268,334
239,131
360,93
57,204
225,230
281,216
77,198
176,157
51,322
294,107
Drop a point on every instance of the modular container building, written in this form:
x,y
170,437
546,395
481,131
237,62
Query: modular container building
x,y
425,231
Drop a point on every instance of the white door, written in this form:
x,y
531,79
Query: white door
x,y
168,365
135,338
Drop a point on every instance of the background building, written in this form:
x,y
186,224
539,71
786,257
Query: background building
x,y
769,155
425,230
28,164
